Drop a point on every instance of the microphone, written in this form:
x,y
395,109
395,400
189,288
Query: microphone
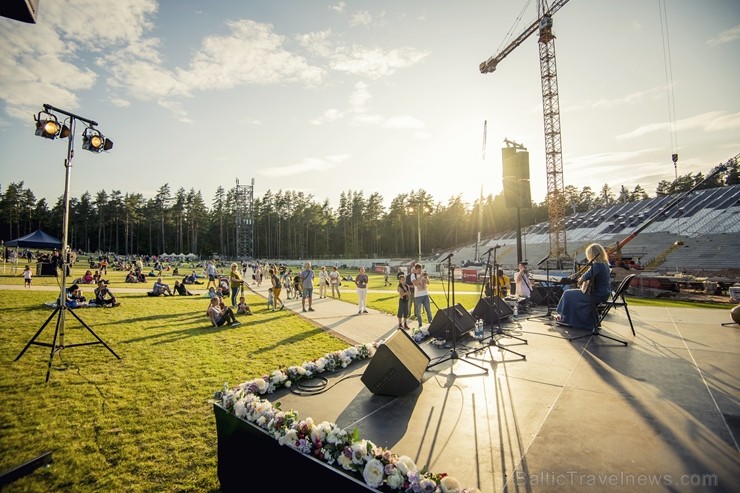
x,y
492,249
448,257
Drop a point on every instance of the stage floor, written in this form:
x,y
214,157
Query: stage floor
x,y
590,415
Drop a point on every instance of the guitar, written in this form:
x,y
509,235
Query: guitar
x,y
587,287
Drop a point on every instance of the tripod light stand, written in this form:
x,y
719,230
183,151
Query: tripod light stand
x,y
49,127
450,322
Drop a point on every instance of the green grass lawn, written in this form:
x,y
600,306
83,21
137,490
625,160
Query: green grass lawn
x,y
144,423
141,423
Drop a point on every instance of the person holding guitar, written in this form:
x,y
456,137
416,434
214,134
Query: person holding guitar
x,y
577,306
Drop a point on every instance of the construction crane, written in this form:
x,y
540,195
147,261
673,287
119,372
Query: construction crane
x,y
551,110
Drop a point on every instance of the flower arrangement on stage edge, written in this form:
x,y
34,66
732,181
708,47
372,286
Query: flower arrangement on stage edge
x,y
379,467
419,334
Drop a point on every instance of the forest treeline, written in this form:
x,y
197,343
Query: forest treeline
x,y
292,224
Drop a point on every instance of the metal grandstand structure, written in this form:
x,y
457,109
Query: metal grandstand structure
x,y
244,220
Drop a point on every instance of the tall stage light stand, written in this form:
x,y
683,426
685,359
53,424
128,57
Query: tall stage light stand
x,y
453,355
95,142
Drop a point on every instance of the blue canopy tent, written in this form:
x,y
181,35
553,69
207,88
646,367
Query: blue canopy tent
x,y
37,239
40,240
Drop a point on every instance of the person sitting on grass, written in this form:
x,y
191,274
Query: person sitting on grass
x,y
103,296
242,307
192,278
159,288
212,292
74,298
131,277
221,315
86,279
181,289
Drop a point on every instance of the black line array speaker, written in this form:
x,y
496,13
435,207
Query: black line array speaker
x,y
485,310
397,366
517,192
444,318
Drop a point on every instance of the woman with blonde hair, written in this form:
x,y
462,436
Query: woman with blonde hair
x,y
236,282
577,307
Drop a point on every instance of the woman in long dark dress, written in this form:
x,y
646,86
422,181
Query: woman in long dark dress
x,y
578,309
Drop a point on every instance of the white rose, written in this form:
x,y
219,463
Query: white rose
x,y
373,473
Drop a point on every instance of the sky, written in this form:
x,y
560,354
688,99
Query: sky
x,y
380,96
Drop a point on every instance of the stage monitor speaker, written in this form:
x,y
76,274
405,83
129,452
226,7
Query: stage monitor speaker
x,y
397,366
485,310
444,318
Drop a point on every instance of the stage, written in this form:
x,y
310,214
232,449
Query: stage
x,y
590,415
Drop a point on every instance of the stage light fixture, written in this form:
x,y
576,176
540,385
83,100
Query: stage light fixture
x,y
48,126
94,141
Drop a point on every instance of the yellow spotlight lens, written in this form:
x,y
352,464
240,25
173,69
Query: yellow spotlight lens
x,y
97,142
51,127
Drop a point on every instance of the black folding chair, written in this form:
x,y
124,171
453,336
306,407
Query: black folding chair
x,y
616,299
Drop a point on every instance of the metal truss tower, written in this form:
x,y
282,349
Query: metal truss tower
x,y
244,221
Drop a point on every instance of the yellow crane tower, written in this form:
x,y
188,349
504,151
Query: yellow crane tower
x,y
551,110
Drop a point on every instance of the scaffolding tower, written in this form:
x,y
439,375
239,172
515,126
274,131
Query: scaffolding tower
x,y
244,221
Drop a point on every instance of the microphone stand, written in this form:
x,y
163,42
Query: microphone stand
x,y
453,354
494,311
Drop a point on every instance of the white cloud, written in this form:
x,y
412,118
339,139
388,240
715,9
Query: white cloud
x,y
361,18
306,165
338,7
317,42
712,121
727,36
375,63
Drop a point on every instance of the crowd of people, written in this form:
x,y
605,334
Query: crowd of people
x,y
225,287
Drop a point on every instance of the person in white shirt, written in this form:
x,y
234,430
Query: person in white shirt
x,y
523,284
420,280
323,281
334,281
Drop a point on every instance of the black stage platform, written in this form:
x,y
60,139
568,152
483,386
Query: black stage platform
x,y
658,415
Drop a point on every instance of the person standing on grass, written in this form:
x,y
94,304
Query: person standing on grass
x,y
27,275
275,280
334,280
212,275
307,277
361,282
235,282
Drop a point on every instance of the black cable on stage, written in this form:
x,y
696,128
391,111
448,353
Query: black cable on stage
x,y
307,388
